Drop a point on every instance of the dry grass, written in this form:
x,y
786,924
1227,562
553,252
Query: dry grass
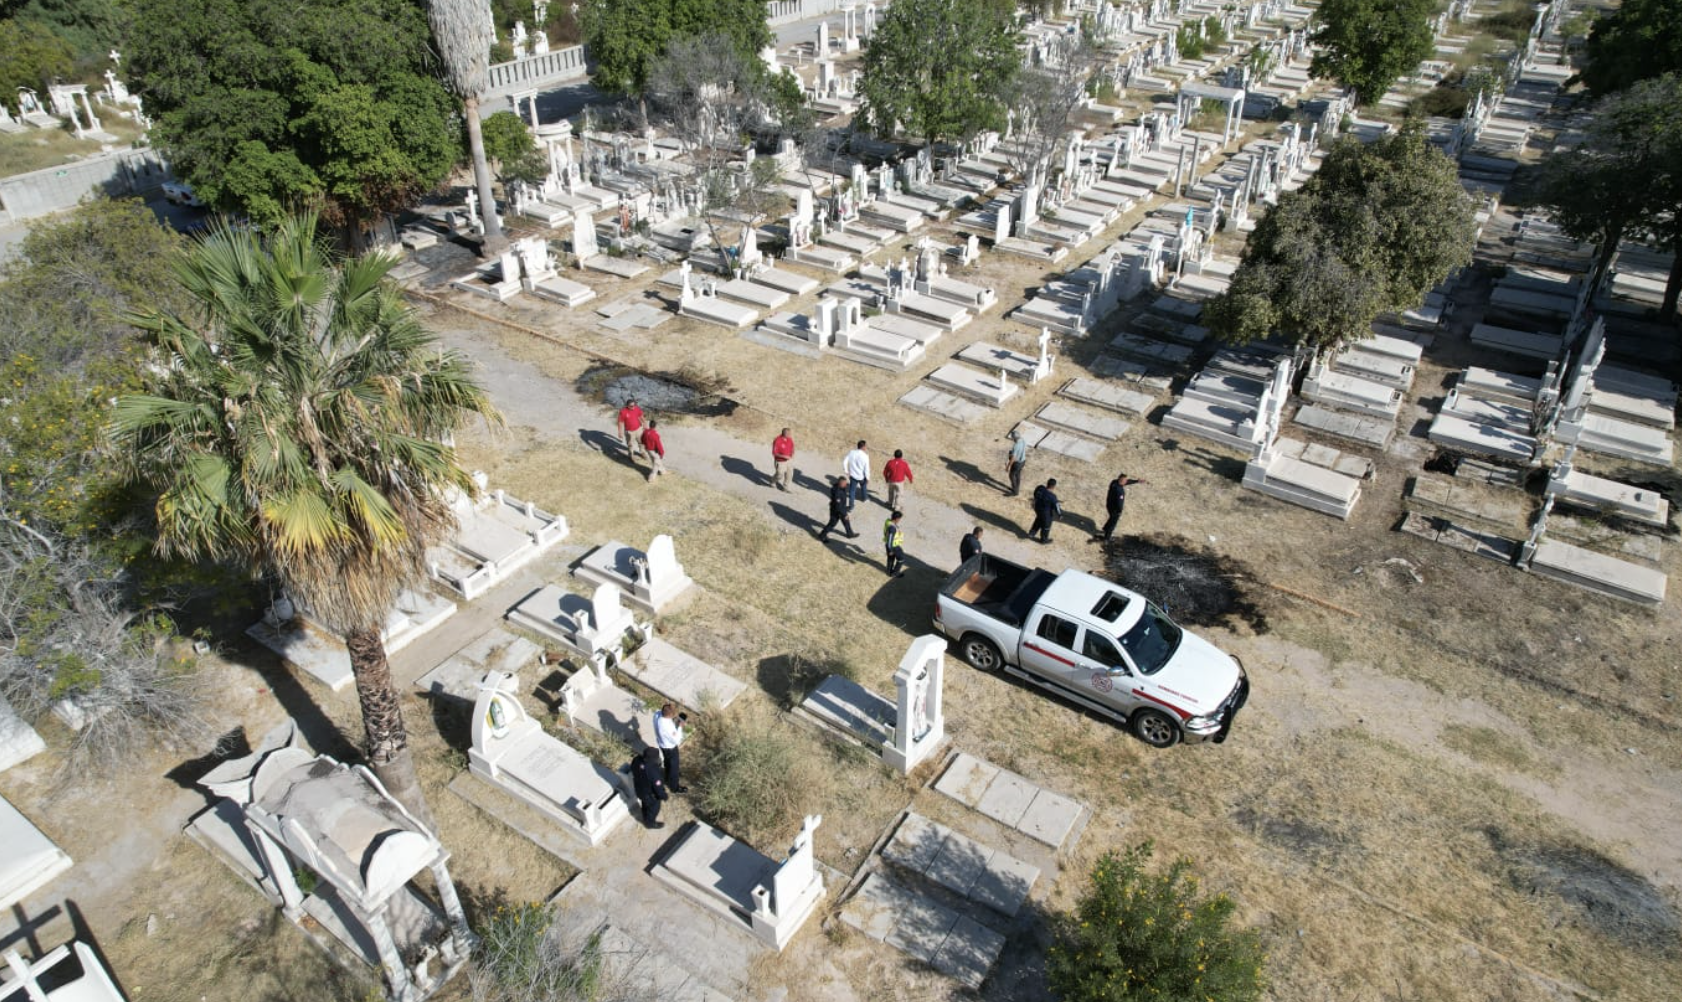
x,y
37,149
1367,862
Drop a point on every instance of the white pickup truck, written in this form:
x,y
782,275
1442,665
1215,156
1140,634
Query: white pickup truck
x,y
1093,642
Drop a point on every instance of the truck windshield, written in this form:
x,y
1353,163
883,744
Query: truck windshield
x,y
1152,641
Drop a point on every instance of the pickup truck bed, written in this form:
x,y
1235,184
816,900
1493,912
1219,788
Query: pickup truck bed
x,y
999,588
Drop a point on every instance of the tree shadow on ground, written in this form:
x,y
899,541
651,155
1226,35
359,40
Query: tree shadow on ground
x,y
787,678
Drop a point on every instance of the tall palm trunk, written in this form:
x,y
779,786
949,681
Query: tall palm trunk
x,y
495,241
382,721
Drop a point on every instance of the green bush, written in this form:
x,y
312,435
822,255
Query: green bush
x,y
1444,102
755,775
1135,935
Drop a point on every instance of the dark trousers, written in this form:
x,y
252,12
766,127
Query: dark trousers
x,y
857,490
669,756
896,559
843,518
650,809
1016,477
1042,525
1110,523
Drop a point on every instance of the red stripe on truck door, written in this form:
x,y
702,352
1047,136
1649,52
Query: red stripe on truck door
x,y
1054,657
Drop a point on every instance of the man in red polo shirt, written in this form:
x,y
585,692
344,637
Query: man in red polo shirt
x,y
630,425
897,473
655,449
782,460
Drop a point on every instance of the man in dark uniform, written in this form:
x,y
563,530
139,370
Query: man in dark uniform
x,y
893,540
651,789
840,509
1046,510
1114,501
970,545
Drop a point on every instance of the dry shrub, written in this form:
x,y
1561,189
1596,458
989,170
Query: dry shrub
x,y
756,774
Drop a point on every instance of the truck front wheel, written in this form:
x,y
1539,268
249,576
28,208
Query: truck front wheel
x,y
980,653
1154,728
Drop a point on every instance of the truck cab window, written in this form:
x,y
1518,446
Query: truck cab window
x,y
1153,639
1057,631
1099,648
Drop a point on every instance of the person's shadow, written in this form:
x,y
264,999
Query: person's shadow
x,y
610,446
746,470
800,479
799,519
972,473
1010,526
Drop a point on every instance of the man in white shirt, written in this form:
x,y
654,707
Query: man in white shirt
x,y
668,734
856,465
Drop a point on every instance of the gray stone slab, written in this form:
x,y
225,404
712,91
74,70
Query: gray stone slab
x,y
876,908
968,952
922,927
1049,818
1004,884
1072,417
960,861
1007,798
1599,572
28,859
966,779
1107,395
681,676
846,706
946,406
1074,446
494,650
916,843
718,866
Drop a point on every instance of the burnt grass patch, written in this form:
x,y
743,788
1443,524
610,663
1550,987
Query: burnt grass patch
x,y
685,391
1193,584
1600,894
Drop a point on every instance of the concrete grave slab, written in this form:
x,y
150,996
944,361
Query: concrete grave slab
x,y
28,859
877,906
851,710
1004,884
943,405
966,779
1074,418
1107,396
921,927
1007,798
1071,445
18,740
1049,818
495,650
680,676
968,952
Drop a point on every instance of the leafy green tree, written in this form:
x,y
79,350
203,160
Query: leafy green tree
x,y
298,424
628,37
263,106
74,276
1367,45
91,28
940,69
1373,230
1639,40
1625,180
35,57
1135,936
511,150
464,33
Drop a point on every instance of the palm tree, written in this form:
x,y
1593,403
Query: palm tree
x,y
299,422
465,32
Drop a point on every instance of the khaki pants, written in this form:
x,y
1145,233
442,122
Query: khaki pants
x,y
895,492
781,470
658,467
632,447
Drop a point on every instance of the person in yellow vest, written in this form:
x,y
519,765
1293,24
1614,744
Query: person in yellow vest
x,y
893,539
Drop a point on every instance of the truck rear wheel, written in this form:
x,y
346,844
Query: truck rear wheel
x,y
980,653
1154,728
